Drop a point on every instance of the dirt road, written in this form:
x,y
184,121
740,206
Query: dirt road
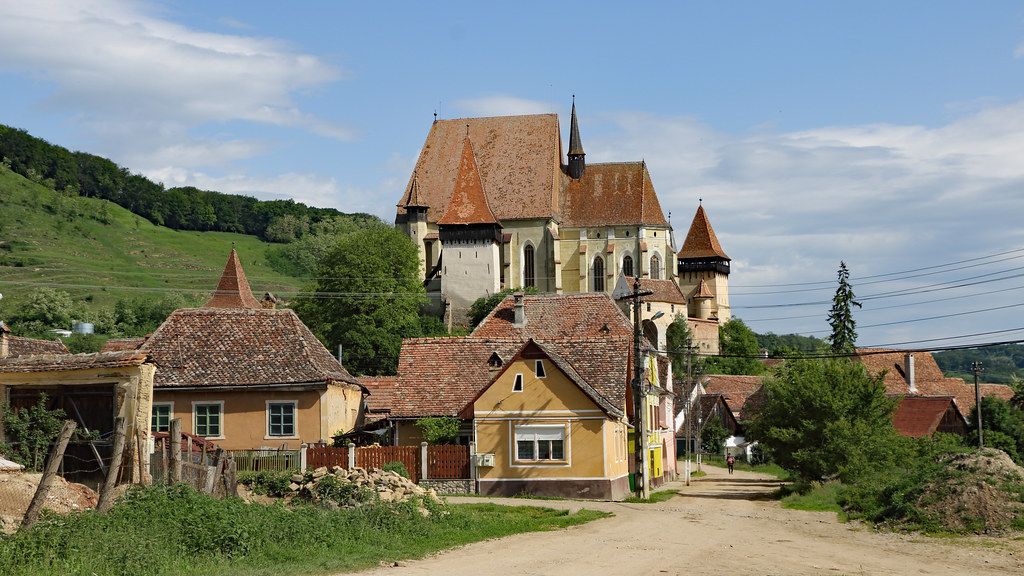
x,y
720,524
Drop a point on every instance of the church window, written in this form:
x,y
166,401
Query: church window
x,y
627,265
529,279
598,275
655,267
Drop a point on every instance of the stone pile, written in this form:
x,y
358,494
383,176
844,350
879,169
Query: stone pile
x,y
387,486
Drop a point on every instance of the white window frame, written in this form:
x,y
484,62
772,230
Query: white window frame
x,y
295,420
220,420
517,383
539,435
538,369
170,415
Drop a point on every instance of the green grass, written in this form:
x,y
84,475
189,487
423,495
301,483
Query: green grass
x,y
100,253
175,530
818,498
659,496
719,461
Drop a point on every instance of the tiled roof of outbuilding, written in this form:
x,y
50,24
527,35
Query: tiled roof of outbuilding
x,y
66,362
381,396
918,416
664,291
122,344
735,389
19,346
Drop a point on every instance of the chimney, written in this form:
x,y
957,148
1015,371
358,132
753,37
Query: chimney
x,y
520,310
908,370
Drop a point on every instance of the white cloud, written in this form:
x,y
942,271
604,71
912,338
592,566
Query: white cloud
x,y
501,105
124,70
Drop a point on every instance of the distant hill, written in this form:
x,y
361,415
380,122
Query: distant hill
x,y
1001,364
99,252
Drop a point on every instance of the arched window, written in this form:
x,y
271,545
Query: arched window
x,y
650,332
597,284
655,267
627,265
529,277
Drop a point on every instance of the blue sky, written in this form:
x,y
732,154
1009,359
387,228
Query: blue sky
x,y
884,134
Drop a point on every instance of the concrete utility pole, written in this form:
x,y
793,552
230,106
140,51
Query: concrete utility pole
x,y
976,368
641,482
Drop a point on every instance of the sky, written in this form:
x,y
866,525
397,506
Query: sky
x,y
886,135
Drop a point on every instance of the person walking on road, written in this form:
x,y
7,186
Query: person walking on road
x,y
730,460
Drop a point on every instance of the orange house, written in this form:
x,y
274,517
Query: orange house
x,y
542,429
245,375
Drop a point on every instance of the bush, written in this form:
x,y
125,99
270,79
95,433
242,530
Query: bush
x,y
398,468
268,482
339,491
443,430
30,432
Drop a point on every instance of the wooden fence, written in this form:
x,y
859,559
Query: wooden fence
x,y
443,462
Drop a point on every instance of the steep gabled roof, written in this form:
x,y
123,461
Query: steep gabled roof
x,y
609,194
440,376
518,158
468,203
735,389
589,330
918,416
701,241
233,289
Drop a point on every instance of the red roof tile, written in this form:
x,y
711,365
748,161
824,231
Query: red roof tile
x,y
233,289
468,204
239,347
701,241
918,416
735,389
616,193
664,291
65,362
122,344
18,346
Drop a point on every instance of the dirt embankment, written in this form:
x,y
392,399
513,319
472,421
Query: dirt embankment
x,y
17,490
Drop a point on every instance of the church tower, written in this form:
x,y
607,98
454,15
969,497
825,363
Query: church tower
x,y
703,271
415,226
577,164
470,237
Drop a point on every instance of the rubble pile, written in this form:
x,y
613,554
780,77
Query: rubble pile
x,y
352,488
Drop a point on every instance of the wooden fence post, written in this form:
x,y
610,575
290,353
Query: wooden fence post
x,y
175,436
56,457
302,458
351,456
213,472
423,461
107,495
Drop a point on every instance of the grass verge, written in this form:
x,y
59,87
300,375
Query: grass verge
x,y
659,496
176,530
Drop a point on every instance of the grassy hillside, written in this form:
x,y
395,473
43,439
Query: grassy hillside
x,y
100,253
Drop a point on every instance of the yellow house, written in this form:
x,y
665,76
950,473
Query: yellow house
x,y
244,375
540,428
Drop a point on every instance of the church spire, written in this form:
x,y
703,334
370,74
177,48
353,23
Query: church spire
x,y
469,203
577,164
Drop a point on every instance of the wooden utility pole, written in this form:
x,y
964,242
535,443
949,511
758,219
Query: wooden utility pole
x,y
56,456
641,482
175,437
107,495
976,368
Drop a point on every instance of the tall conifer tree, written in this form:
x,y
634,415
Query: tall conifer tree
x,y
840,317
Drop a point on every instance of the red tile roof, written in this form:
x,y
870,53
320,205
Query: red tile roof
x,y
664,291
928,377
735,389
122,344
590,331
239,347
468,204
701,241
520,162
918,416
65,362
233,289
18,346
382,392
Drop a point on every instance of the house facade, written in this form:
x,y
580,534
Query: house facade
x,y
246,376
541,429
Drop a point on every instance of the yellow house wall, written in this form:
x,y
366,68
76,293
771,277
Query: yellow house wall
x,y
244,422
590,450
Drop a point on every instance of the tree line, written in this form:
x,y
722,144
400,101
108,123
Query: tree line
x,y
179,208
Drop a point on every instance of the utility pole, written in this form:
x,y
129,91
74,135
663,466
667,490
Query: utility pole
x,y
976,368
639,398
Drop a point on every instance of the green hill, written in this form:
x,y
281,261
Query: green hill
x,y
101,253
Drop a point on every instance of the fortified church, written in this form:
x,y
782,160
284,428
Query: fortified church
x,y
492,205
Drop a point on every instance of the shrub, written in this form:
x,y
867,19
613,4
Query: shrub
x,y
441,430
398,468
268,482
